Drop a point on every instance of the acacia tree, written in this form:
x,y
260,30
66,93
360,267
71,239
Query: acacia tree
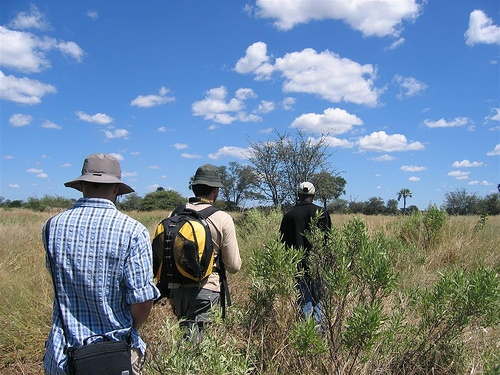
x,y
328,186
284,163
239,184
404,193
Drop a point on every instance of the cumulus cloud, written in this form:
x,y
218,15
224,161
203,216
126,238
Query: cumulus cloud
x,y
442,123
92,14
371,17
483,183
495,151
98,118
217,108
255,61
26,52
409,86
23,90
412,168
50,125
180,146
245,93
185,155
397,43
33,19
325,74
118,156
117,133
495,116
19,120
149,101
331,121
328,75
233,151
481,29
34,170
467,164
14,186
333,142
414,179
265,106
288,103
459,175
385,157
382,142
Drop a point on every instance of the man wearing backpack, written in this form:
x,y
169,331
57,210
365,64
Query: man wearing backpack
x,y
294,225
192,301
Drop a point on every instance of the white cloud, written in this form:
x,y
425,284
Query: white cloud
x,y
467,164
412,168
14,186
332,121
152,187
483,183
255,61
32,20
23,90
328,75
414,179
409,86
50,125
19,120
265,106
495,116
180,146
191,156
153,167
149,101
118,133
42,175
245,93
459,175
481,29
330,141
288,103
324,74
98,118
118,156
371,17
442,123
130,174
215,107
8,157
34,170
382,142
496,151
233,151
65,165
92,14
26,52
385,157
397,43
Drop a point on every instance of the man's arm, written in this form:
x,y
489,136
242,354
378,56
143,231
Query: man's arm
x,y
140,312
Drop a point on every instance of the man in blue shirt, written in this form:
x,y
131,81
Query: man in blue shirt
x,y
101,265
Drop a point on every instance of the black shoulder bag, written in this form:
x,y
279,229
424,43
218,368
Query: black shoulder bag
x,y
99,354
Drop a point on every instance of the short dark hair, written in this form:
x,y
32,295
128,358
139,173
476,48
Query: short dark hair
x,y
201,190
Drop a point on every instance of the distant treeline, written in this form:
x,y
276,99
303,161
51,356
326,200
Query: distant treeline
x,y
459,202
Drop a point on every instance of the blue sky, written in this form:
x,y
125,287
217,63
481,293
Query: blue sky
x,y
408,91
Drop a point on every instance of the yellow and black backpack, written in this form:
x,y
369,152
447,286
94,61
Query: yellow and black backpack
x,y
182,248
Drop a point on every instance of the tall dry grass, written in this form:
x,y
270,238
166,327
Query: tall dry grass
x,y
26,289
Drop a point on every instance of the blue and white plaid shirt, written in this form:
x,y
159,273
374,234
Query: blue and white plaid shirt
x,y
103,264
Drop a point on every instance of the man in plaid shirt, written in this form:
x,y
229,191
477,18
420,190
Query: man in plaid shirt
x,y
102,267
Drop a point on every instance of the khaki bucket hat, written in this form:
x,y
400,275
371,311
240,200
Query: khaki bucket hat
x,y
102,169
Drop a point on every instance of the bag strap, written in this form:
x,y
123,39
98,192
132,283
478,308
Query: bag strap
x,y
53,277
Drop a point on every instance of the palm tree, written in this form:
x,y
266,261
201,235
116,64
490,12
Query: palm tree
x,y
404,193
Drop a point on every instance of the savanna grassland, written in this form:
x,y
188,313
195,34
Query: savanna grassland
x,y
415,294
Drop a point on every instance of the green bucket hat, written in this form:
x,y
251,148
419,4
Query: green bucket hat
x,y
207,174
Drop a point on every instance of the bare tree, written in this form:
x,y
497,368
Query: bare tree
x,y
284,163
